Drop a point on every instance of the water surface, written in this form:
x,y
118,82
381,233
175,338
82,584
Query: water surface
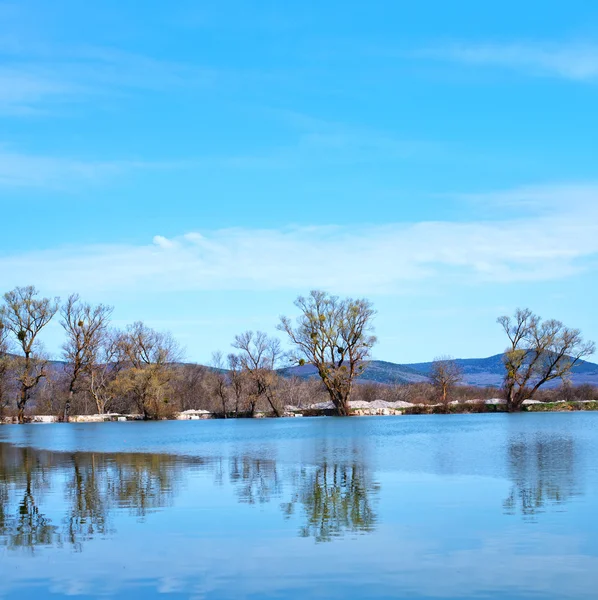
x,y
455,506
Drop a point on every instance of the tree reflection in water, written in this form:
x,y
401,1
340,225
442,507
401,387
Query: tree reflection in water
x,y
52,498
256,480
28,474
336,499
93,486
543,472
80,492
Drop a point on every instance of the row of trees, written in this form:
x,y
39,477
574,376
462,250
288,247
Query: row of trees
x,y
105,362
143,366
140,368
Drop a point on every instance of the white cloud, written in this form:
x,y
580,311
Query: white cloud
x,y
163,242
31,170
576,61
33,79
360,260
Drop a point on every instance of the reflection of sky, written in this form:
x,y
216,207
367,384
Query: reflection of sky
x,y
441,530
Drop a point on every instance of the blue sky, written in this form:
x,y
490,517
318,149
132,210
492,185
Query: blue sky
x,y
200,164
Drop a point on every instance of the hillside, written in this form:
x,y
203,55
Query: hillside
x,y
490,371
378,370
480,372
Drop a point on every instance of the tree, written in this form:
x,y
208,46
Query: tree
x,y
191,387
237,380
335,336
445,375
5,363
85,326
107,361
539,351
150,357
25,316
259,355
219,382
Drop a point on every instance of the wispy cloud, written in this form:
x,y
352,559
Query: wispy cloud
x,y
60,173
576,60
367,259
26,91
35,78
534,199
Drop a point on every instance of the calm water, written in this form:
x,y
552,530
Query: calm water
x,y
481,506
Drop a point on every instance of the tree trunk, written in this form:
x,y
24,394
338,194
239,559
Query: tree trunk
x,y
274,408
21,403
24,392
515,400
67,407
341,402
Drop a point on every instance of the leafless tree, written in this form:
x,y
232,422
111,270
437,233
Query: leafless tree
x,y
259,355
108,360
150,357
299,392
539,351
219,382
25,316
445,375
85,327
237,380
335,336
191,387
5,363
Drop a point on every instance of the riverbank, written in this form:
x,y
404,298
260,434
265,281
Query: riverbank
x,y
358,409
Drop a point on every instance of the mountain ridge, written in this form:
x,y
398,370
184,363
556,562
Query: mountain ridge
x,y
479,372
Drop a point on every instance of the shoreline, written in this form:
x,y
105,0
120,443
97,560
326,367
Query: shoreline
x,y
358,411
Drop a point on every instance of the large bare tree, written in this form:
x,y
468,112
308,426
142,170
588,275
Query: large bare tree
x,y
538,352
5,362
151,356
25,315
259,355
335,335
85,327
445,375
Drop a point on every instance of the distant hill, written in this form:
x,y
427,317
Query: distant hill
x,y
481,372
490,371
377,370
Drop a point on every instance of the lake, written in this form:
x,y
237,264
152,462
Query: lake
x,y
444,506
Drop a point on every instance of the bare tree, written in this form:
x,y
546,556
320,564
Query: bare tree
x,y
5,363
107,361
300,393
219,381
335,336
259,356
539,351
237,380
191,387
25,316
445,375
85,326
150,356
